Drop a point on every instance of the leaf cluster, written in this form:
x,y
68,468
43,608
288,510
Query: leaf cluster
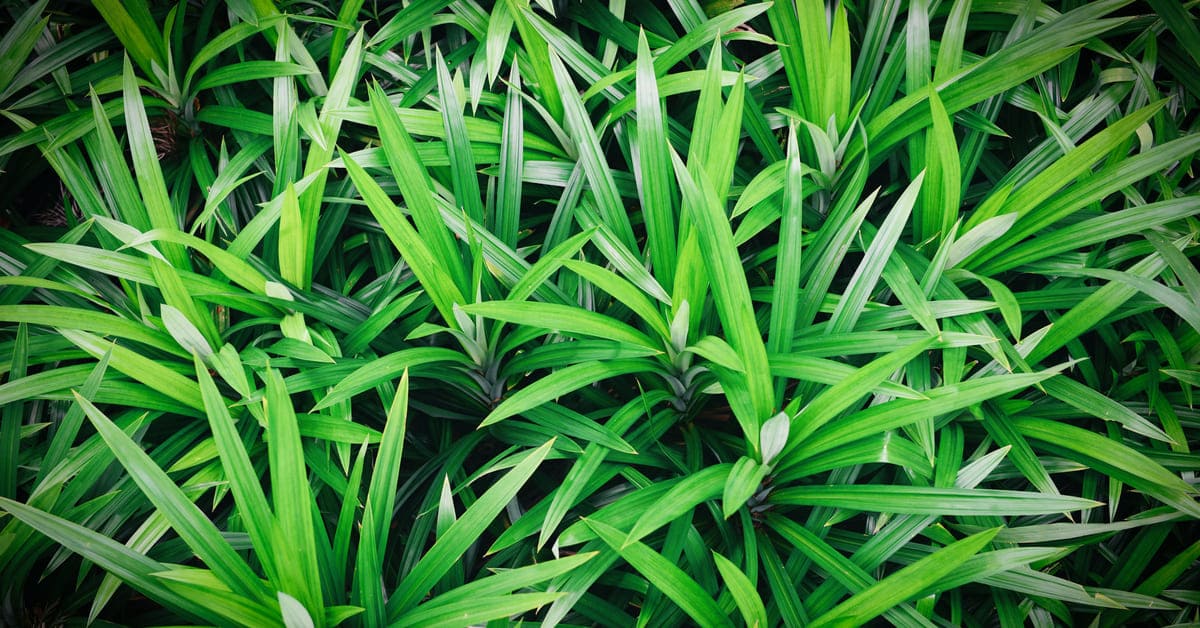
x,y
447,313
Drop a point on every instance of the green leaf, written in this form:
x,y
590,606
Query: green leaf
x,y
149,372
1187,377
625,292
1021,454
863,281
1093,402
19,41
233,267
950,49
507,219
249,71
137,36
578,482
408,20
785,294
13,416
561,318
547,265
499,29
380,504
462,534
133,568
981,235
285,119
665,576
655,183
591,157
1091,310
1183,306
562,420
899,277
831,372
90,321
186,519
539,55
296,550
68,429
622,259
730,292
881,448
845,572
745,594
561,382
464,179
427,265
899,412
1026,201
833,244
145,164
476,610
691,491
223,41
1113,459
243,480
718,352
800,27
906,583
505,581
291,238
940,199
826,406
1009,66
386,369
930,500
988,564
320,152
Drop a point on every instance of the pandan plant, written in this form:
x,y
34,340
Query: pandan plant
x,y
448,313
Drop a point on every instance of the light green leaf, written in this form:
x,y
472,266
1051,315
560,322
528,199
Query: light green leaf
x,y
291,238
744,479
294,613
185,333
145,164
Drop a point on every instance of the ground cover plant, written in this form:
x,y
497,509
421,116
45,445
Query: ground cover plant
x,y
448,313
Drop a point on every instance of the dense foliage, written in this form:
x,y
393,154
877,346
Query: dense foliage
x,y
455,312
